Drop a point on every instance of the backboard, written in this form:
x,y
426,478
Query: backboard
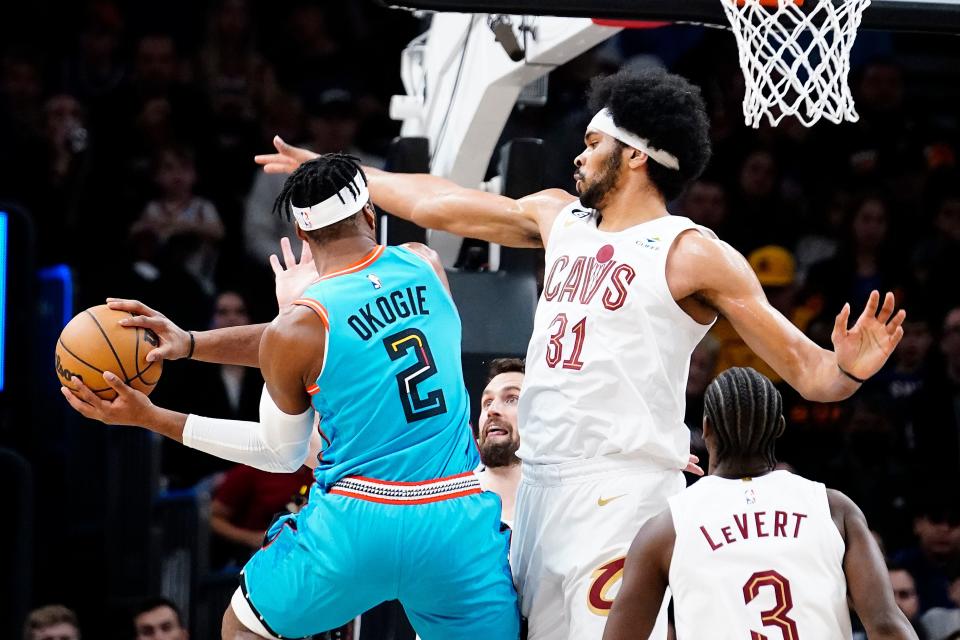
x,y
499,46
900,15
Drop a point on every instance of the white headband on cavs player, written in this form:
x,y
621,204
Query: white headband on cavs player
x,y
335,208
603,122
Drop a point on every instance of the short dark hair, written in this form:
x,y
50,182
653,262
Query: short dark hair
x,y
505,365
156,602
48,616
665,109
745,412
316,180
893,565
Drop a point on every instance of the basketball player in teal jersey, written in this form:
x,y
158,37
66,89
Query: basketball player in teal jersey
x,y
372,347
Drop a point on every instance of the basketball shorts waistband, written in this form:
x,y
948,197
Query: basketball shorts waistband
x,y
388,492
575,471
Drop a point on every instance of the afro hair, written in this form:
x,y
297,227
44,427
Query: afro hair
x,y
665,109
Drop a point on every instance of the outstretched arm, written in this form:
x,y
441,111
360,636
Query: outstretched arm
x,y
437,203
229,345
867,578
715,274
645,577
291,349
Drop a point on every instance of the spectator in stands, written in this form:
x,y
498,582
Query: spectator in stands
x,y
776,271
52,622
96,69
244,505
935,422
864,261
231,391
705,202
236,79
237,83
820,239
186,227
220,391
937,554
158,619
21,94
758,211
910,367
64,177
332,125
905,594
498,432
868,465
939,254
941,622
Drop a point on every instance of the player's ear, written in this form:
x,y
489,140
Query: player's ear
x,y
300,233
370,216
707,428
635,158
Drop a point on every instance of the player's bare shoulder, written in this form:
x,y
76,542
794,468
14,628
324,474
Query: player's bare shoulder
x,y
842,509
700,265
431,257
544,206
296,336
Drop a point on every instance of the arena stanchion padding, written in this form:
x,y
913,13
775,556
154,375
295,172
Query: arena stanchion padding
x,y
521,169
405,155
497,314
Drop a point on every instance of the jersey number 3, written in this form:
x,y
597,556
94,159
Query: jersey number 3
x,y
415,406
777,615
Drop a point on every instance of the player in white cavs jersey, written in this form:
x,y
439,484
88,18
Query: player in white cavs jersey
x,y
749,552
629,291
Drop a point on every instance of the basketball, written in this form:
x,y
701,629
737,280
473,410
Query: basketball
x,y
94,342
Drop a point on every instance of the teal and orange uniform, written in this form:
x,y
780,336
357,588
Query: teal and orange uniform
x,y
396,511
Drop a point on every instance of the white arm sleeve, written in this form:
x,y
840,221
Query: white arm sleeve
x,y
278,443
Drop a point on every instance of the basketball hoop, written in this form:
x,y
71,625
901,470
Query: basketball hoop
x,y
795,59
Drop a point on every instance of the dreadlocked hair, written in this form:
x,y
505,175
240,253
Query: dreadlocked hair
x,y
745,412
316,180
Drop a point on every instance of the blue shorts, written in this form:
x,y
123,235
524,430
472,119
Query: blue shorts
x,y
445,561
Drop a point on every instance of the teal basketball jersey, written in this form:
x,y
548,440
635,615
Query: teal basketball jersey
x,y
390,396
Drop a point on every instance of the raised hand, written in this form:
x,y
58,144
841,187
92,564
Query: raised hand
x,y
863,349
130,407
286,159
174,341
293,280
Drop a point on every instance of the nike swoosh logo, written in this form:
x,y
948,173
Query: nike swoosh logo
x,y
602,502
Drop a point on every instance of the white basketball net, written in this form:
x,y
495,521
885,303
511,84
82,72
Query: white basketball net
x,y
795,62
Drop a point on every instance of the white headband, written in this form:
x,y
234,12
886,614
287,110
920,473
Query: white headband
x,y
603,122
335,208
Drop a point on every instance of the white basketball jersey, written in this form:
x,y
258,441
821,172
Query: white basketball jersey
x,y
757,558
610,352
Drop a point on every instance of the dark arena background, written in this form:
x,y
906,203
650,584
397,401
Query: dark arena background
x,y
111,110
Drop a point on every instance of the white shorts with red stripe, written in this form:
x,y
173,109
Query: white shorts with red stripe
x,y
574,524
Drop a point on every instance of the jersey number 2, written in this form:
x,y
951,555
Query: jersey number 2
x,y
415,406
777,615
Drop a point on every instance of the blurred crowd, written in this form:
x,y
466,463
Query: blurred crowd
x,y
129,139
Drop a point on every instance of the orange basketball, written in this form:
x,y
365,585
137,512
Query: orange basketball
x,y
94,342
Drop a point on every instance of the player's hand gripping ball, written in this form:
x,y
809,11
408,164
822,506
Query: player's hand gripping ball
x,y
95,342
